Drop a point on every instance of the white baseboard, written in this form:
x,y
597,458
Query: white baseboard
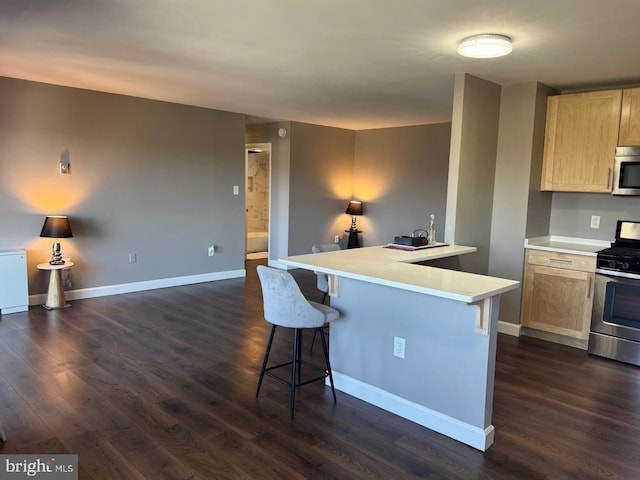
x,y
475,437
141,286
277,264
512,329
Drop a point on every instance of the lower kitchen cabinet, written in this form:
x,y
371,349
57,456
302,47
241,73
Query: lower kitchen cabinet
x,y
558,293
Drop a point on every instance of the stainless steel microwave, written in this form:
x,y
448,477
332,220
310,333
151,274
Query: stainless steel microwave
x,y
626,171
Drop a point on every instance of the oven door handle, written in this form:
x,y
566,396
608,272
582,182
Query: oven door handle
x,y
615,273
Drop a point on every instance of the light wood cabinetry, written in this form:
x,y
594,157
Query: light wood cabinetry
x,y
630,118
581,137
558,293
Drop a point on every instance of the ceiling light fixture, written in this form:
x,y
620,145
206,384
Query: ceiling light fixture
x,y
485,46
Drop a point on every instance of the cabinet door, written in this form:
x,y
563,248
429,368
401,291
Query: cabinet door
x,y
557,300
630,118
580,142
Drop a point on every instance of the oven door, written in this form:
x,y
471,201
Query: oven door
x,y
616,305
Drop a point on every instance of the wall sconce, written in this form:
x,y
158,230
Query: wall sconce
x,y
56,226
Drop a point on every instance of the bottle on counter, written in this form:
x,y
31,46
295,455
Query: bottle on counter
x,y
432,230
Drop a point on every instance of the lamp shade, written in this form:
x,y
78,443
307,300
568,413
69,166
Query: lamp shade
x,y
354,208
56,226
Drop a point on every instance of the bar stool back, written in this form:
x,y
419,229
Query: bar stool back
x,y
286,306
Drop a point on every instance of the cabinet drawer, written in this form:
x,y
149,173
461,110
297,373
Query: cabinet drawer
x,y
565,261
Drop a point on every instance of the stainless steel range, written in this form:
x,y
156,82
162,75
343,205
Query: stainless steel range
x,y
615,320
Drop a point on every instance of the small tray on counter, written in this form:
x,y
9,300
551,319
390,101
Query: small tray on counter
x,y
410,248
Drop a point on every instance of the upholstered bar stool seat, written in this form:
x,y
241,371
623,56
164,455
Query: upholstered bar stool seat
x,y
286,306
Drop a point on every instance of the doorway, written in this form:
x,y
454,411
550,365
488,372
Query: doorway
x,y
258,199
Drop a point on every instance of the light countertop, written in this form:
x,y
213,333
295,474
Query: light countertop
x,y
394,268
575,246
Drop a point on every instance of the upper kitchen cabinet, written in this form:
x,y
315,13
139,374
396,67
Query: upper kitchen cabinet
x,y
580,142
630,118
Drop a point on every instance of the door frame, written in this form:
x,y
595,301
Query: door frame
x,y
266,148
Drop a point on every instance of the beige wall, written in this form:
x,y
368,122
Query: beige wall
x,y
149,177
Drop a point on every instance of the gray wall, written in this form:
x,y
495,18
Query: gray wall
x,y
280,183
472,165
571,214
148,177
321,184
540,203
518,205
401,176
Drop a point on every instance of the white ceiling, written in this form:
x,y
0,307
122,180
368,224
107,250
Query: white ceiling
x,y
347,63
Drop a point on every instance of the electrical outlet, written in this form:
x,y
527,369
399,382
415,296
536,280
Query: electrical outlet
x,y
595,221
212,250
398,347
336,239
133,257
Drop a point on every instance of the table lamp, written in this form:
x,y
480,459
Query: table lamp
x,y
354,208
56,226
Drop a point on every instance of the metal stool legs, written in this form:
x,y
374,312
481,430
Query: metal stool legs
x,y
315,332
296,363
266,357
326,361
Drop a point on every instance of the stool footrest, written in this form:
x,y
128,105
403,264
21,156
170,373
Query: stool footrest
x,y
298,384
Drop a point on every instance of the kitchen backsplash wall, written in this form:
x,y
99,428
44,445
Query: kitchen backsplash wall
x,y
571,214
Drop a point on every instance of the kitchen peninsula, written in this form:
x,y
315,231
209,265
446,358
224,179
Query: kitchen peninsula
x,y
416,340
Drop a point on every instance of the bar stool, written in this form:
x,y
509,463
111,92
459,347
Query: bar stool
x,y
285,306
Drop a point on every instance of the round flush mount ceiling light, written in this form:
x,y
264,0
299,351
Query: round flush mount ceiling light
x,y
485,46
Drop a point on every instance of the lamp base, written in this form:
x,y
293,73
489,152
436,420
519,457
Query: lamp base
x,y
354,240
56,257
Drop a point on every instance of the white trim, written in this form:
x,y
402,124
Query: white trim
x,y
142,286
474,436
507,328
278,264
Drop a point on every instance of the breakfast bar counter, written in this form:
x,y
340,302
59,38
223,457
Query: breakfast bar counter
x,y
416,340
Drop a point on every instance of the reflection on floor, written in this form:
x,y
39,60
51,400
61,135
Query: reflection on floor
x,y
257,255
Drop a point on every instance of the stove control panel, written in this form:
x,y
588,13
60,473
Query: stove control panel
x,y
618,264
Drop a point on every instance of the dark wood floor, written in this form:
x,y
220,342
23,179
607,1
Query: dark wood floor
x,y
161,385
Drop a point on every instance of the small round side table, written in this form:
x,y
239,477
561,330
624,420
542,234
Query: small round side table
x,y
55,294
